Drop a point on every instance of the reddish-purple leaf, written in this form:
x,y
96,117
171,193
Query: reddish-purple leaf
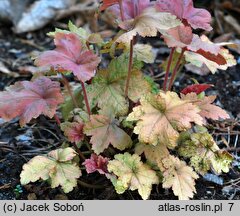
x,y
196,88
219,59
207,109
73,131
71,55
214,56
182,37
96,163
107,3
184,10
28,100
131,8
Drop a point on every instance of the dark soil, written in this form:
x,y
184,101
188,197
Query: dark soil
x,y
18,145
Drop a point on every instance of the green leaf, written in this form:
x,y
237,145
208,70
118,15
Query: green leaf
x,y
68,106
84,35
154,86
107,88
58,166
81,32
106,93
132,174
52,34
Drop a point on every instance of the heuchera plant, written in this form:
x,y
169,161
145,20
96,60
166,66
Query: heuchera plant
x,y
139,133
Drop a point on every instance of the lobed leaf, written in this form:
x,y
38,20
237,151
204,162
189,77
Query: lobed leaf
x,y
147,24
107,88
58,166
71,55
132,174
105,93
222,60
160,117
105,131
203,152
184,10
28,100
96,163
144,53
182,37
179,177
153,154
83,34
73,131
222,161
208,110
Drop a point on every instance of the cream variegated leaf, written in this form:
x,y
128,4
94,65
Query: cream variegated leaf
x,y
144,52
107,88
37,168
200,148
58,166
148,24
105,131
221,162
160,118
179,177
203,152
131,173
212,62
176,174
154,154
198,60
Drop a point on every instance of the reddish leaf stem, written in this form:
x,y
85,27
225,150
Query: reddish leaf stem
x,y
129,66
79,152
176,70
121,10
57,119
86,98
68,87
168,69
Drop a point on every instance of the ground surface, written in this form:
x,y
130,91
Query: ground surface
x,y
18,145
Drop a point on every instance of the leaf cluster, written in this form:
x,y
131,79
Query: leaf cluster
x,y
138,133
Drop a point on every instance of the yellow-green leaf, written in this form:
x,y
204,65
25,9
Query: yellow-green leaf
x,y
58,166
107,89
144,52
132,174
203,152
